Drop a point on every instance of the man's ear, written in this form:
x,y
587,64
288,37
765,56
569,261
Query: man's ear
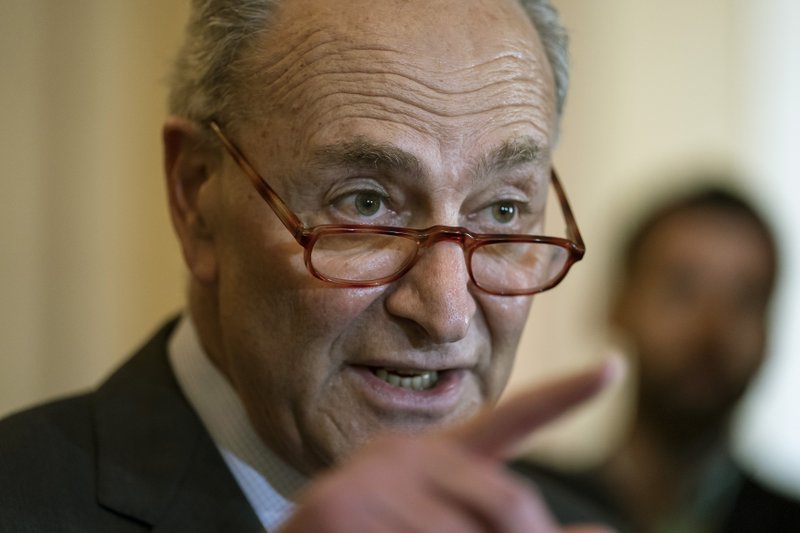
x,y
189,163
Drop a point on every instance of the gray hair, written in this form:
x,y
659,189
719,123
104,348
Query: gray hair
x,y
204,76
555,42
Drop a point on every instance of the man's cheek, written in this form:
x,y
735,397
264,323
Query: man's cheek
x,y
507,318
330,311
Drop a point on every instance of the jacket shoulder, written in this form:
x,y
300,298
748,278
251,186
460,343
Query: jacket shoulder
x,y
36,434
48,469
49,456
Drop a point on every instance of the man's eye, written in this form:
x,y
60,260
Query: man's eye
x,y
367,204
360,206
504,212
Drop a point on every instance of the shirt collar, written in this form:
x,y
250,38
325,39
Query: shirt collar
x,y
268,483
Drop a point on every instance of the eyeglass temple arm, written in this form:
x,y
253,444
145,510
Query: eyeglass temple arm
x,y
572,225
286,216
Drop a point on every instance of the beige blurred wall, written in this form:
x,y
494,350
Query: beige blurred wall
x,y
88,261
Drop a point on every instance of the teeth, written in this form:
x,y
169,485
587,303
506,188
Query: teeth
x,y
414,380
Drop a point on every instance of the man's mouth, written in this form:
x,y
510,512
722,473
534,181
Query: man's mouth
x,y
408,379
404,388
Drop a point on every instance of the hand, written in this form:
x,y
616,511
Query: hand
x,y
451,481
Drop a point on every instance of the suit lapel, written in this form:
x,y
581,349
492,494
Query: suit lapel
x,y
155,461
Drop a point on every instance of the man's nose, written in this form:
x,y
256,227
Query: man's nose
x,y
435,294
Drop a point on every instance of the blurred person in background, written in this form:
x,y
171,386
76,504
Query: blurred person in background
x,y
691,306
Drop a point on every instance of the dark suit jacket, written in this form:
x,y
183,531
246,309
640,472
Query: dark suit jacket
x,y
132,456
129,457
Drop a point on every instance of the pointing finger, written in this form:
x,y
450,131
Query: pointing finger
x,y
496,432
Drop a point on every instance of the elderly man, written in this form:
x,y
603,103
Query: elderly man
x,y
358,188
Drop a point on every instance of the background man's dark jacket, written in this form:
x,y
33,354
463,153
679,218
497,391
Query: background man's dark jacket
x,y
755,509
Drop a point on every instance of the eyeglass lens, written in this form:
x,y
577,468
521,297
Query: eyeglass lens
x,y
497,267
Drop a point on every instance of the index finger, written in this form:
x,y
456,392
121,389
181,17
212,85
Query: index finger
x,y
495,432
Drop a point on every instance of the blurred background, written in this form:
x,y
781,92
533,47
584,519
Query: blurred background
x,y
90,266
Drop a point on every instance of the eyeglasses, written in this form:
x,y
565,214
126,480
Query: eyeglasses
x,y
354,255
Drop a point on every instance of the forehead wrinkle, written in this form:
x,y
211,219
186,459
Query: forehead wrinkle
x,y
411,115
398,68
393,95
303,48
408,90
317,63
406,93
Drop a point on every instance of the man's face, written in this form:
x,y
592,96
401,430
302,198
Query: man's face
x,y
696,308
389,112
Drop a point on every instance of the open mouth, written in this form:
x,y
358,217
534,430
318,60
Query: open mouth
x,y
418,380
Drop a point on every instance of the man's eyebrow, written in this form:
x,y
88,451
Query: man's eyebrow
x,y
363,153
512,153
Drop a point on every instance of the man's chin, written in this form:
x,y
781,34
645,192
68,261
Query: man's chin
x,y
395,424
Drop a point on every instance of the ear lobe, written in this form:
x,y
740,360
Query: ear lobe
x,y
188,165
